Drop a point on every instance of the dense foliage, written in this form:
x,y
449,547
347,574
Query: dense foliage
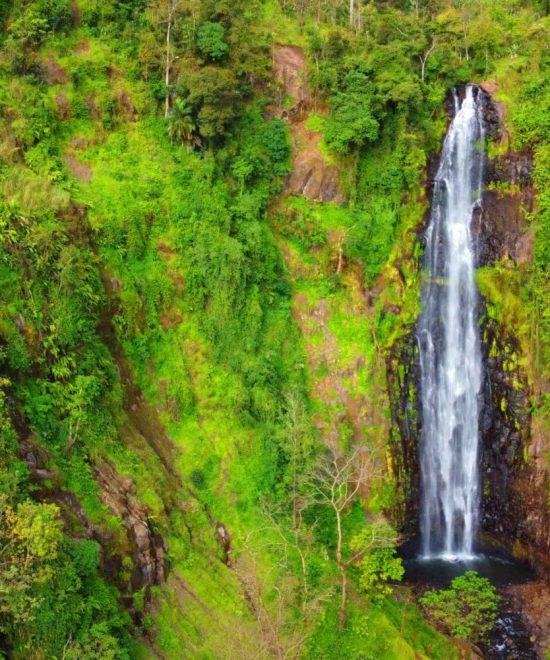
x,y
469,607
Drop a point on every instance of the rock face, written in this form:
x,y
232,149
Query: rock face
x,y
312,176
504,429
516,480
290,67
533,601
507,199
403,375
148,549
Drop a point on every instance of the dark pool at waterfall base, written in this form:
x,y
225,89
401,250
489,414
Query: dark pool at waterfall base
x,y
499,567
510,639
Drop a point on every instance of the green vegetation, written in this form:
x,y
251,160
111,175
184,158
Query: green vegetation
x,y
468,608
183,345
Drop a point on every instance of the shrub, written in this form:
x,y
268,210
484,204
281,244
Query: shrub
x,y
468,608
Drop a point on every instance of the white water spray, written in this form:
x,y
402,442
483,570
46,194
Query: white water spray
x,y
449,341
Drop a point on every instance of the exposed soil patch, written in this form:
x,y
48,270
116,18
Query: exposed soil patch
x,y
125,106
82,47
95,112
63,107
54,73
77,168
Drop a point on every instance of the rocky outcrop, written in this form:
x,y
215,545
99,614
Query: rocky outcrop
x,y
290,68
508,197
148,548
533,601
312,175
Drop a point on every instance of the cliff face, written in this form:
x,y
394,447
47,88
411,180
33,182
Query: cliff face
x,y
515,447
403,385
515,512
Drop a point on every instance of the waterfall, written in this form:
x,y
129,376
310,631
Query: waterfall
x,y
449,343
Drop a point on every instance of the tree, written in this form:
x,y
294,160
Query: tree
x,y
379,565
335,482
30,536
213,94
211,41
425,56
297,445
181,127
166,12
468,608
353,121
355,13
278,596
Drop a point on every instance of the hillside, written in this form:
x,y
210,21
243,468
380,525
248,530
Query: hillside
x,y
211,222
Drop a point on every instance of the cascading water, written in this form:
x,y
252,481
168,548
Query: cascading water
x,y
449,342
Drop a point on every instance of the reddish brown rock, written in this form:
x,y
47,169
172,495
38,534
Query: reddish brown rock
x,y
290,68
312,176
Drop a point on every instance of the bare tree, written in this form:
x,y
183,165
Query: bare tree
x,y
424,58
298,443
335,482
273,594
355,14
166,12
172,8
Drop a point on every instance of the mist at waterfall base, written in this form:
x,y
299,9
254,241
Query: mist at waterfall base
x,y
450,361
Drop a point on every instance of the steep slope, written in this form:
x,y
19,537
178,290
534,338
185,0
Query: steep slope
x,y
199,309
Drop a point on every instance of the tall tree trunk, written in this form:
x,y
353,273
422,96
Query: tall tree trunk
x,y
351,12
342,567
424,59
167,65
343,599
